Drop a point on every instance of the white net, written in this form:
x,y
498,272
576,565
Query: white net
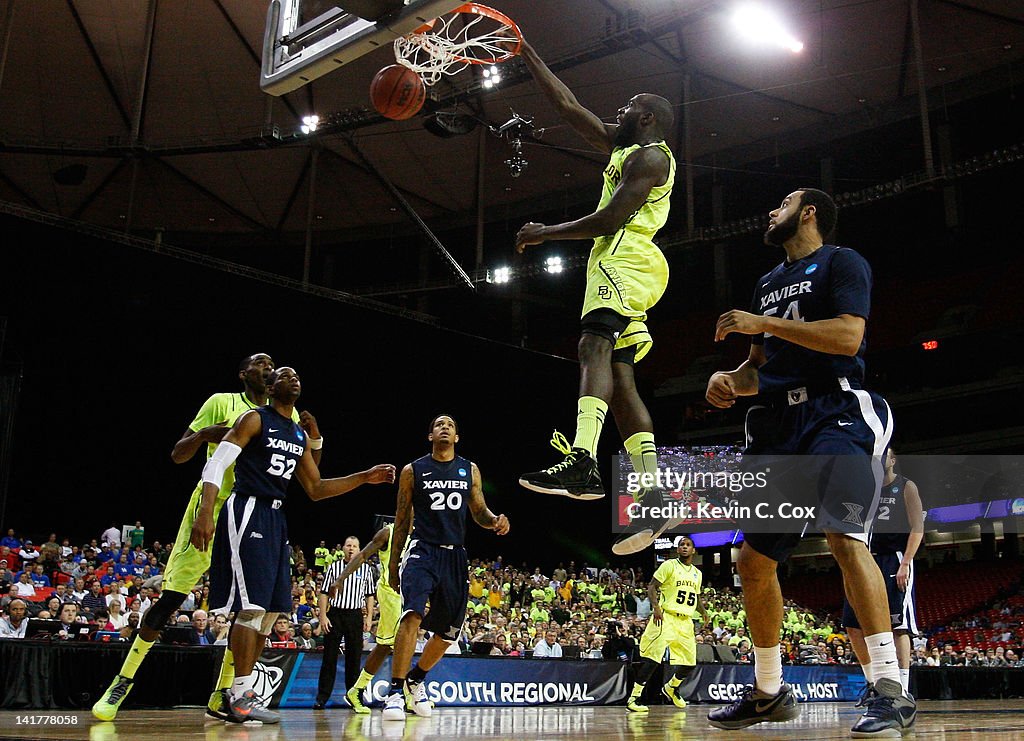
x,y
451,46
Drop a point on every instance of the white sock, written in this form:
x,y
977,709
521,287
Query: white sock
x,y
905,680
241,685
882,652
768,669
868,674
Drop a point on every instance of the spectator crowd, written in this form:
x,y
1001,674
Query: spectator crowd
x,y
575,611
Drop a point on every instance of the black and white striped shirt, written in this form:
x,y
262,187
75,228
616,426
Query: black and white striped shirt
x,y
353,591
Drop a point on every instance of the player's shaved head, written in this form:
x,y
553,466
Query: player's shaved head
x,y
664,114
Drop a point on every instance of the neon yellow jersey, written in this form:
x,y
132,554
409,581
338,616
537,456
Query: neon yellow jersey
x,y
385,558
680,587
227,408
651,216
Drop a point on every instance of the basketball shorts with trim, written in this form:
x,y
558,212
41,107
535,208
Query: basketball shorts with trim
x,y
439,575
390,603
186,565
825,452
902,611
250,566
628,275
676,634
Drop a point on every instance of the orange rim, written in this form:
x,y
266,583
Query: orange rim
x,y
426,26
495,15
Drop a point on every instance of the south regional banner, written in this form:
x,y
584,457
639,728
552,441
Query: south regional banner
x,y
479,682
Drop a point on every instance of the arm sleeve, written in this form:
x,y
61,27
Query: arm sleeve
x,y
851,284
208,414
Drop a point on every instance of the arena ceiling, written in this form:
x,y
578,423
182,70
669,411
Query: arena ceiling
x,y
213,154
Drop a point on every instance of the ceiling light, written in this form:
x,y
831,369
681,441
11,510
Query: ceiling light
x,y
759,24
309,123
553,265
499,275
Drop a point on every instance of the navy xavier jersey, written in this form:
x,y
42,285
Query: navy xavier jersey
x,y
828,282
266,465
439,499
892,526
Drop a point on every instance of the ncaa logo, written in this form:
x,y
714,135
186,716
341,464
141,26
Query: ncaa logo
x,y
462,472
811,269
604,293
298,434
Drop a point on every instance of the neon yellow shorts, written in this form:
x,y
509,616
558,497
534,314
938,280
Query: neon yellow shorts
x,y
676,634
186,565
627,274
390,603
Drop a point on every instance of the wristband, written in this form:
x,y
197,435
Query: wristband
x,y
316,443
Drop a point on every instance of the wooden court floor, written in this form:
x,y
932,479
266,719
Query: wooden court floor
x,y
987,719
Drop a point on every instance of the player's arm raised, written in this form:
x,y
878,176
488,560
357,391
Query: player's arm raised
x,y
245,429
653,594
725,386
318,488
308,423
584,122
644,169
403,524
915,515
478,507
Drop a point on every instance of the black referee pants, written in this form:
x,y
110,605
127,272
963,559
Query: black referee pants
x,y
347,624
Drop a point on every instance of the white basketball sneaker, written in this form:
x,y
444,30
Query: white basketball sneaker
x,y
394,707
416,700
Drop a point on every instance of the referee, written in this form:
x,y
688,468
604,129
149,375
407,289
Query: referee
x,y
350,613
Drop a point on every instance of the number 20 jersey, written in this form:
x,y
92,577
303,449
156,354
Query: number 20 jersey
x,y
439,499
266,465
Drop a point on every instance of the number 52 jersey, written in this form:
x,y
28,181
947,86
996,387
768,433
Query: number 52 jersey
x,y
266,465
680,587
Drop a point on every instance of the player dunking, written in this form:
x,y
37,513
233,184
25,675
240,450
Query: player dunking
x,y
250,573
806,365
435,489
187,565
675,596
895,538
626,276
390,603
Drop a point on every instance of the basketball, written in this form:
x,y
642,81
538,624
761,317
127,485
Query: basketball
x,y
397,92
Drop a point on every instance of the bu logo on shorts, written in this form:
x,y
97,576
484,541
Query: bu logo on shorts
x,y
604,292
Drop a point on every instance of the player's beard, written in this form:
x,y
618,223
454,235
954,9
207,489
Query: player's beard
x,y
783,231
625,135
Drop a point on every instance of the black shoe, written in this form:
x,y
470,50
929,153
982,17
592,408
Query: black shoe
x,y
755,706
890,713
866,695
644,529
575,477
319,705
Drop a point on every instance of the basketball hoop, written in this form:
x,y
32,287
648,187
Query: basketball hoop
x,y
443,47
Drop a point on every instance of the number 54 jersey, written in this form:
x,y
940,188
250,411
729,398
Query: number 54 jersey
x,y
439,500
680,587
